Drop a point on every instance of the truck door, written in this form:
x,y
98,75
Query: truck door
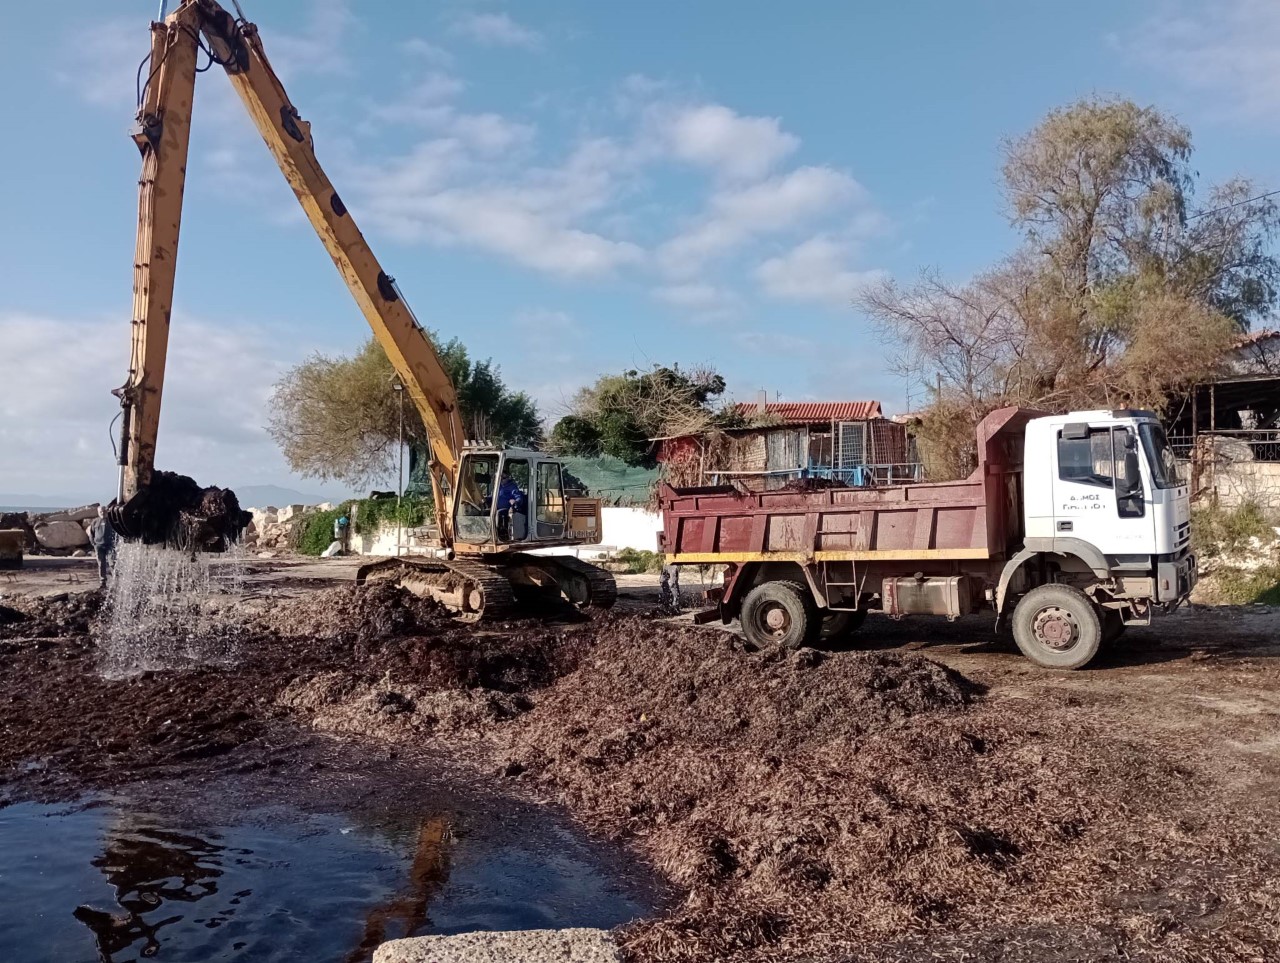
x,y
1099,492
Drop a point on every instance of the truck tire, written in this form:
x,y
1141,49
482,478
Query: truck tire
x,y
1058,627
779,613
839,626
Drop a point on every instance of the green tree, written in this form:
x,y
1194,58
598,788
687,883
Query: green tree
x,y
1125,288
620,415
338,419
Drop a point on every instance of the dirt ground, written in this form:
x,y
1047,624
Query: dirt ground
x,y
928,795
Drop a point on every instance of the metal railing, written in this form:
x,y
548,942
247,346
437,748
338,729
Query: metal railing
x,y
1262,444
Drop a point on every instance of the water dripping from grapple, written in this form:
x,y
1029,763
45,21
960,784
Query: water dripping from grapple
x,y
175,510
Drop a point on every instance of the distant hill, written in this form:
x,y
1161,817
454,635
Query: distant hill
x,y
16,502
260,496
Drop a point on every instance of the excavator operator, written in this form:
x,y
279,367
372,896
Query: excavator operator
x,y
513,509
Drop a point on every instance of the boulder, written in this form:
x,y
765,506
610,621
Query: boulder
x,y
83,513
61,535
19,521
286,513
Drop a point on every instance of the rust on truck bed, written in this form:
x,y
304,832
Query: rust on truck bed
x,y
975,518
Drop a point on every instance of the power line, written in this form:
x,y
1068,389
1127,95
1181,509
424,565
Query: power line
x,y
1227,207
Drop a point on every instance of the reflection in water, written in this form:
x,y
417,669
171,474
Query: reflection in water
x,y
115,882
427,874
148,867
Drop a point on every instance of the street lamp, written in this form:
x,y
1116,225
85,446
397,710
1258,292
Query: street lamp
x,y
398,387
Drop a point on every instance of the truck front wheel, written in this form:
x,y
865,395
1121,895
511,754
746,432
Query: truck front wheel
x,y
778,613
1058,627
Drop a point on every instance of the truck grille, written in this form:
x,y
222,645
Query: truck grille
x,y
1181,535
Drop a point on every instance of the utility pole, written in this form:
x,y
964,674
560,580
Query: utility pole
x,y
398,386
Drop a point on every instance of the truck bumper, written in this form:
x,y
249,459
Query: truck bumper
x,y
1175,579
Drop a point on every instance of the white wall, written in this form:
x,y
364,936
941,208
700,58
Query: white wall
x,y
620,528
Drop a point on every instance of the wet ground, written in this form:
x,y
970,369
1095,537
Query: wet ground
x,y
320,859
1125,812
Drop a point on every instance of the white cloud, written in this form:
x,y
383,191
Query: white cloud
x,y
713,136
703,301
737,216
772,343
1228,51
814,271
320,47
102,73
533,217
427,51
497,30
56,406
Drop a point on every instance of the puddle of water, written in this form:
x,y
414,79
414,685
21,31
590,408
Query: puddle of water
x,y
112,882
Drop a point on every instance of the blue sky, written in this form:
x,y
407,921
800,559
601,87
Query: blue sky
x,y
571,187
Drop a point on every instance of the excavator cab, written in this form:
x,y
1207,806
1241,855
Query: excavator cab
x,y
516,499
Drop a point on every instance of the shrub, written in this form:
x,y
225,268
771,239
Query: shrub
x,y
1217,531
1238,586
314,532
640,561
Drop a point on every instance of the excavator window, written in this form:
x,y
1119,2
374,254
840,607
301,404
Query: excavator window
x,y
549,513
476,489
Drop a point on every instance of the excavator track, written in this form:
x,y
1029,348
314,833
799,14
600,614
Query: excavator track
x,y
603,589
473,591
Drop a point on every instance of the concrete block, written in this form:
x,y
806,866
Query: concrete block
x,y
526,946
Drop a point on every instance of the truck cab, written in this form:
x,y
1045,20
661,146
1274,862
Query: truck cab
x,y
1106,509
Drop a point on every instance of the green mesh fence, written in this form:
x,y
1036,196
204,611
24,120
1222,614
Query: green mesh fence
x,y
609,479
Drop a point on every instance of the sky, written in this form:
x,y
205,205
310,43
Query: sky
x,y
570,187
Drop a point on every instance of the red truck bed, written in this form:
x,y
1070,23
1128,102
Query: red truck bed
x,y
970,519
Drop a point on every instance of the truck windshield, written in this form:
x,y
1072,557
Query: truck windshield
x,y
1165,470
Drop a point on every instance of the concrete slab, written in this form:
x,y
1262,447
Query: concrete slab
x,y
526,946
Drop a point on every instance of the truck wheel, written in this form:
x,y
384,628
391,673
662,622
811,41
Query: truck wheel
x,y
1057,626
776,613
838,626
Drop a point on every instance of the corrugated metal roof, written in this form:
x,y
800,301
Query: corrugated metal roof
x,y
812,412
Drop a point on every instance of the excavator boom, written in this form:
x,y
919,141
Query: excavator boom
x,y
163,136
496,528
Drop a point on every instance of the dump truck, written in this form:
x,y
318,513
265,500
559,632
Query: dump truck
x,y
1071,528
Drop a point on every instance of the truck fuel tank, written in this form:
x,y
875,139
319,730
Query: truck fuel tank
x,y
949,595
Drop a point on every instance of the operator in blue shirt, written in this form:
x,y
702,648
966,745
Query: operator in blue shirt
x,y
512,502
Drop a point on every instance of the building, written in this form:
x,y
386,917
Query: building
x,y
849,442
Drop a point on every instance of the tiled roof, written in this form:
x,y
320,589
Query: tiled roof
x,y
1266,334
813,412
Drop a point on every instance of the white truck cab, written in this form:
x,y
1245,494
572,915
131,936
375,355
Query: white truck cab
x,y
1107,516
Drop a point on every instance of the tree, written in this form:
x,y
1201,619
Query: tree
x,y
1120,292
338,419
621,415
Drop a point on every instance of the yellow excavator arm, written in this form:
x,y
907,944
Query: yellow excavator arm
x,y
162,135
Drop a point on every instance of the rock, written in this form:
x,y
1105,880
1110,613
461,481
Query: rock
x,y
80,553
527,946
61,535
83,513
286,513
267,554
326,507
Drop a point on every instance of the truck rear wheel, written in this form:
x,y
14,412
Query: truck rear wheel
x,y
778,613
1058,627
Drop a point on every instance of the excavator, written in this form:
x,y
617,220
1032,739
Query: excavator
x,y
488,560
